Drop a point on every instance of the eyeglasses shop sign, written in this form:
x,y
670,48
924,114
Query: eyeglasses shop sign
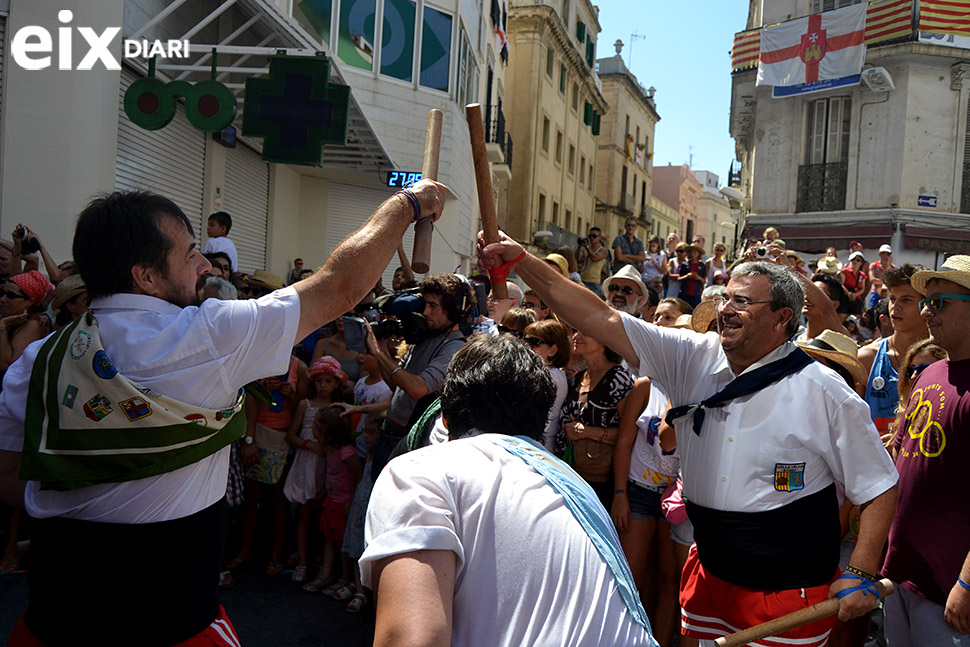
x,y
33,46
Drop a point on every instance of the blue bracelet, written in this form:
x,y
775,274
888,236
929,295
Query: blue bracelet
x,y
963,584
867,586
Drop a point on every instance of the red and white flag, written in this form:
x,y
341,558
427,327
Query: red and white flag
x,y
819,47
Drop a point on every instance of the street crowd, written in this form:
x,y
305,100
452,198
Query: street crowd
x,y
632,443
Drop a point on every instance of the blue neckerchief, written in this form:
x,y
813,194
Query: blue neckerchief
x,y
588,511
742,385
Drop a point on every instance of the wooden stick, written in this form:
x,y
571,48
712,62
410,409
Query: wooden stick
x,y
421,252
483,180
788,622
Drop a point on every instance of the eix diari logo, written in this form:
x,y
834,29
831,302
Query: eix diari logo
x,y
32,46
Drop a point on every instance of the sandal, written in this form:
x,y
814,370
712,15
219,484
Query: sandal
x,y
226,580
273,569
317,584
333,588
299,574
233,564
344,593
357,603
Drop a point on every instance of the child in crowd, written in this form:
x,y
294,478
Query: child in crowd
x,y
305,480
372,395
343,471
353,546
218,231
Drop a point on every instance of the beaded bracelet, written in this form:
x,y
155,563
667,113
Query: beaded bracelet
x,y
861,573
413,199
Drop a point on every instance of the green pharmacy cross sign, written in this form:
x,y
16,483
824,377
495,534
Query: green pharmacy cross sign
x,y
296,110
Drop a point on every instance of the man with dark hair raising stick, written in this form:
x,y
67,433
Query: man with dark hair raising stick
x,y
119,425
764,434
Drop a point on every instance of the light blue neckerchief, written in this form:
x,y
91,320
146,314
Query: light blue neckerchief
x,y
589,512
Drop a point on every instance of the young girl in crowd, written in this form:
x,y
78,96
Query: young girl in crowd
x,y
353,546
305,480
343,471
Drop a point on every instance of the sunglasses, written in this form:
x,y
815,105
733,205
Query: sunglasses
x,y
529,305
592,236
534,342
13,295
626,289
915,369
503,330
935,302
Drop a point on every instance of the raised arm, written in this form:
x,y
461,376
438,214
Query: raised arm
x,y
572,302
354,267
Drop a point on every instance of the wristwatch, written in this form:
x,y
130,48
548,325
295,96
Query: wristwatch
x,y
249,440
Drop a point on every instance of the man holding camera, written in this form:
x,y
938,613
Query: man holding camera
x,y
421,372
591,254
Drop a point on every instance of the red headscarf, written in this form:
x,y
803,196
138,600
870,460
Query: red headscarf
x,y
34,284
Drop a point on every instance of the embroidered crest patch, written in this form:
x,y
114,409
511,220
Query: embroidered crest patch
x,y
70,395
198,419
103,367
135,409
97,408
80,344
789,477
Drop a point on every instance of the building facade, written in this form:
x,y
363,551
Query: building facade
x,y
553,99
886,160
714,221
678,187
624,156
67,129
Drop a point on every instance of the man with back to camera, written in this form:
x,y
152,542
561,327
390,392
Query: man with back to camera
x,y
422,370
929,542
149,359
488,538
759,458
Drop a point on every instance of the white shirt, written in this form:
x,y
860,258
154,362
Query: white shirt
x,y
527,573
810,422
648,464
201,356
226,246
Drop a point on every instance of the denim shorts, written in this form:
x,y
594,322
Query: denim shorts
x,y
644,501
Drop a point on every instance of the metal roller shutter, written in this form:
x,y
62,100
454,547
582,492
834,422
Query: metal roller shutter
x,y
246,199
169,161
348,208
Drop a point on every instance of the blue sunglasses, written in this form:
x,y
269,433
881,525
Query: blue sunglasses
x,y
935,302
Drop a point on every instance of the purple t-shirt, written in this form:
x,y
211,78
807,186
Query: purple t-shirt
x,y
930,535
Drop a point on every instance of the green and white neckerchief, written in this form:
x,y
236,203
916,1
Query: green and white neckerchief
x,y
87,424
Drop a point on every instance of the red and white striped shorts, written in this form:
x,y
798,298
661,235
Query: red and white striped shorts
x,y
220,633
711,608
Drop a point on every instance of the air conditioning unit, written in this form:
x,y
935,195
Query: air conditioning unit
x,y
878,79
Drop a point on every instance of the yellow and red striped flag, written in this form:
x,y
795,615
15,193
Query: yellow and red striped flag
x,y
945,17
747,46
888,19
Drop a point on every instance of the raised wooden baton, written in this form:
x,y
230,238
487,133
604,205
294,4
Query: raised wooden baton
x,y
798,618
421,252
483,180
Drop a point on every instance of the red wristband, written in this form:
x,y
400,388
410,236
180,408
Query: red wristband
x,y
500,273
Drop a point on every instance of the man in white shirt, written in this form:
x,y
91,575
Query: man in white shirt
x,y
488,538
759,460
99,512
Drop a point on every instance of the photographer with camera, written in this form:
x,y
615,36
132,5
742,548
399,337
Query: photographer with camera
x,y
25,245
447,299
591,254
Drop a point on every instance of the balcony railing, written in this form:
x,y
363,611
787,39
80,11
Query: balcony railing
x,y
495,133
821,187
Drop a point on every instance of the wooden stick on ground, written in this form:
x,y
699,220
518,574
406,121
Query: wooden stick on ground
x,y
798,618
421,252
483,180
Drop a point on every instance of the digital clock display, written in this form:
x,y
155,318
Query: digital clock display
x,y
402,179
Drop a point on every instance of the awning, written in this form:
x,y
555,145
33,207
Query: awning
x,y
937,240
815,240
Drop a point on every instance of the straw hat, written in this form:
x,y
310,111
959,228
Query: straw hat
x,y
264,279
683,321
559,261
696,248
955,269
704,314
838,348
626,272
829,265
67,290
